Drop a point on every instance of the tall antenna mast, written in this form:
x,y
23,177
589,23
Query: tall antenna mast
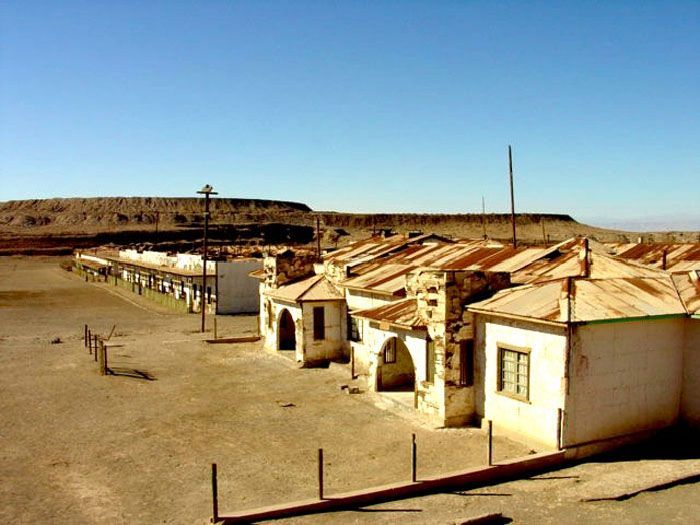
x,y
512,197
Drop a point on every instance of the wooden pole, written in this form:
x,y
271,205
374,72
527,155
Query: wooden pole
x,y
89,337
489,442
318,239
101,363
94,346
202,300
216,332
320,473
414,458
512,195
214,494
85,336
483,217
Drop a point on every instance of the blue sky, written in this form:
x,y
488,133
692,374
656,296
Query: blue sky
x,y
362,106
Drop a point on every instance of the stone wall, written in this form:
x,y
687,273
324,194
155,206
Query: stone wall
x,y
441,298
286,267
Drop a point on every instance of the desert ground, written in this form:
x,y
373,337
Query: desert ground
x,y
78,447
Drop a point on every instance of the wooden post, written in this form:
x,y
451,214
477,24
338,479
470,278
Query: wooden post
x,y
414,458
105,358
214,494
94,346
320,473
85,336
512,195
216,332
352,362
89,338
489,442
560,421
318,239
101,362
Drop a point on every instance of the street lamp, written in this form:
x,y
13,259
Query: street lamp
x,y
206,191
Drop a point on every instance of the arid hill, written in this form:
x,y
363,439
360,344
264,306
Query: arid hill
x,y
59,225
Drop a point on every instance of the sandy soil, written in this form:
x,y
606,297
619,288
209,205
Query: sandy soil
x,y
81,448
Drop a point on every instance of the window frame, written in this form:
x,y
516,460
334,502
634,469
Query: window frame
x,y
502,349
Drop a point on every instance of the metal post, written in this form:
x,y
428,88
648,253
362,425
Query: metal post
x,y
414,458
489,442
320,473
214,494
512,196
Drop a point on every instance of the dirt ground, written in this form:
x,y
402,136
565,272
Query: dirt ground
x,y
81,448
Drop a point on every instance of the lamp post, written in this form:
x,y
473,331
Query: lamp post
x,y
206,191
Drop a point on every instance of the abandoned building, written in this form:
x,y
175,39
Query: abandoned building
x,y
533,339
176,280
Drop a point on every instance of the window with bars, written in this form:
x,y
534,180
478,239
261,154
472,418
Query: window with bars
x,y
466,363
390,351
514,372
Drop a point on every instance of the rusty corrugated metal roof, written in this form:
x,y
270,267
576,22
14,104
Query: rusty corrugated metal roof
x,y
402,313
315,288
688,286
381,278
587,300
680,257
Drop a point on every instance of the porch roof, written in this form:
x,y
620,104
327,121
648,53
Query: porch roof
x,y
403,313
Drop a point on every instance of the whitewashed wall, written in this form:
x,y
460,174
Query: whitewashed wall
x,y
331,347
359,300
625,378
536,419
237,292
690,399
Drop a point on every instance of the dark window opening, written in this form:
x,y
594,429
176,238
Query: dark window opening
x,y
466,363
319,323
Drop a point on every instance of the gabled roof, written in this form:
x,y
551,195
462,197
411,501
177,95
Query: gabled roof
x,y
316,288
568,264
403,314
388,279
584,300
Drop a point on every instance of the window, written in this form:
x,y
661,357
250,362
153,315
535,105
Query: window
x,y
466,363
319,323
390,351
514,372
354,329
430,360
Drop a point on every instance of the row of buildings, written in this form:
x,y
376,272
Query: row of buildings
x,y
176,280
564,346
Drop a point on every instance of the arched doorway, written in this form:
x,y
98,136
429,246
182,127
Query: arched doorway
x,y
396,372
287,332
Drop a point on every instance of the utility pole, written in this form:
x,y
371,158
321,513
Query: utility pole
x,y
483,216
207,191
512,196
318,239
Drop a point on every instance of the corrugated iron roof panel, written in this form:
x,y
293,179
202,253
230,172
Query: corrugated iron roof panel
x,y
402,313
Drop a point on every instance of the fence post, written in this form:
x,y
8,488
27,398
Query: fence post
x,y
85,336
489,442
216,332
101,359
90,341
95,347
214,494
414,458
320,473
